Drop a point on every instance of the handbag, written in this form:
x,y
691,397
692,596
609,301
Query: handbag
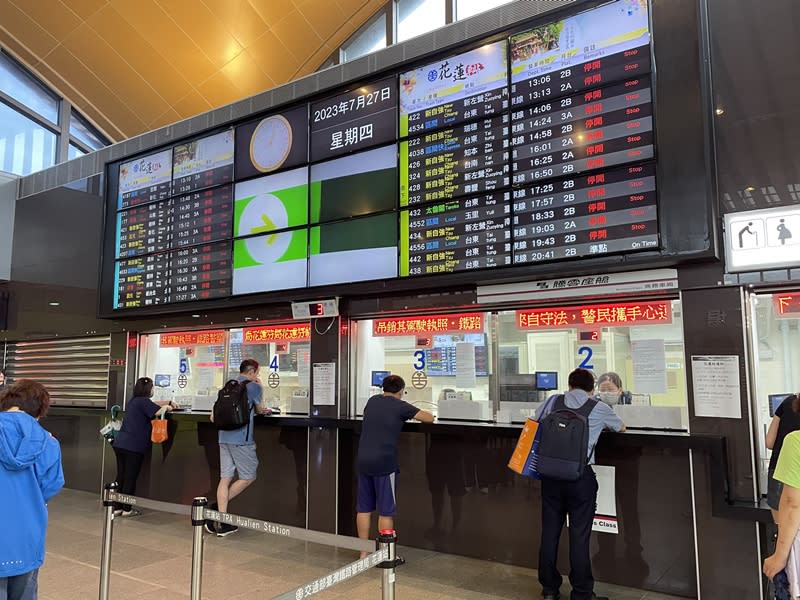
x,y
523,460
158,435
109,430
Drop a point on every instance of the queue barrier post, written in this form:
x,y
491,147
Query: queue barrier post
x,y
108,530
387,538
198,520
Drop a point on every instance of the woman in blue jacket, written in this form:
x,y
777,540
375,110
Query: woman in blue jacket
x,y
133,440
30,475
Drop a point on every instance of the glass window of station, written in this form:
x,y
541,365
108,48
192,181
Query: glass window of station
x,y
500,366
190,367
775,341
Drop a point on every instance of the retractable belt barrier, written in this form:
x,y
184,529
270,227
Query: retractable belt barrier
x,y
384,558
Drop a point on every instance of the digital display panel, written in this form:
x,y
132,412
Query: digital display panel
x,y
441,359
359,119
533,149
459,88
598,213
354,185
589,49
456,235
275,261
196,273
145,179
203,163
457,161
279,141
197,218
355,250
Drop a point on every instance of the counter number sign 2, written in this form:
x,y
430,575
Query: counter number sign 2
x,y
585,354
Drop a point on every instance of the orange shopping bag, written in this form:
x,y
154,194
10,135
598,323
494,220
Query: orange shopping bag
x,y
159,433
523,461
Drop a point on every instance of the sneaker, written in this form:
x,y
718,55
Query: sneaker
x,y
596,597
131,513
549,596
118,512
223,529
211,527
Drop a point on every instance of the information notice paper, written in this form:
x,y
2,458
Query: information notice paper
x,y
716,387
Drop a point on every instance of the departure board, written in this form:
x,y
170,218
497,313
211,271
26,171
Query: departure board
x,y
203,163
196,273
197,218
535,148
456,235
452,162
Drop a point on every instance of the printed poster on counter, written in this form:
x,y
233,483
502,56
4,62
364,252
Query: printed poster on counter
x,y
465,365
324,391
649,366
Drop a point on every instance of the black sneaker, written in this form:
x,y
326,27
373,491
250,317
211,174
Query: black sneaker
x,y
549,596
223,529
210,527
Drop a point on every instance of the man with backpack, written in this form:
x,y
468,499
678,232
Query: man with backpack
x,y
233,413
570,426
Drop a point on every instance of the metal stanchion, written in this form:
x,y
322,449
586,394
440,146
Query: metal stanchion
x,y
387,538
198,520
108,528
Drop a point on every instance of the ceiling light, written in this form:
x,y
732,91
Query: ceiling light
x,y
54,303
195,316
719,111
749,189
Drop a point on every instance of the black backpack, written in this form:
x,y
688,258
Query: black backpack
x,y
232,408
564,441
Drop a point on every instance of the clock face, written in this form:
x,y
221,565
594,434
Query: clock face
x,y
271,143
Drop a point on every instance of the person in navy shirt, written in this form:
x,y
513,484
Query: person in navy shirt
x,y
384,416
133,440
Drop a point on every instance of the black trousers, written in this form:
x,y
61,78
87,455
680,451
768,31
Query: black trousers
x,y
578,500
129,464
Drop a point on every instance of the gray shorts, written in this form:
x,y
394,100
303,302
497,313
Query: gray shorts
x,y
774,490
238,459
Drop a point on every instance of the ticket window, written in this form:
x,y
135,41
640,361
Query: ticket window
x,y
640,341
284,355
186,367
775,341
445,361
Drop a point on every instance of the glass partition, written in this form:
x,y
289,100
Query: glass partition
x,y
775,340
191,367
500,365
444,359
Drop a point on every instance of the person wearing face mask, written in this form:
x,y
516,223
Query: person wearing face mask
x,y
610,391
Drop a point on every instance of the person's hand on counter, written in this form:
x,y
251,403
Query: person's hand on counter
x,y
424,416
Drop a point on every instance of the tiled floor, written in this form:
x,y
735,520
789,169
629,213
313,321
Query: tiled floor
x,y
151,561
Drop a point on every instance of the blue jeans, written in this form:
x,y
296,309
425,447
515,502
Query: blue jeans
x,y
20,587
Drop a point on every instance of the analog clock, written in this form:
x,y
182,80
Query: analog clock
x,y
271,143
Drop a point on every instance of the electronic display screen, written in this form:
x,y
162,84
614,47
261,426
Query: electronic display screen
x,y
354,250
203,163
775,400
359,119
456,235
354,185
275,261
459,88
145,179
586,50
441,359
457,161
196,273
279,141
378,377
198,218
536,148
546,380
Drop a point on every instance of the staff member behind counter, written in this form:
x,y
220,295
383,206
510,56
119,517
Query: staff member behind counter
x,y
611,391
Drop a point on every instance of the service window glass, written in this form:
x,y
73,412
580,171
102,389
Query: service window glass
x,y
642,342
445,360
186,367
775,342
284,353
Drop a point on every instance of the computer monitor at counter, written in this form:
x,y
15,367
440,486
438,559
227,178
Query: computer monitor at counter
x,y
775,400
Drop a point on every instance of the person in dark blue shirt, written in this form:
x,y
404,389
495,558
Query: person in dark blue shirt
x,y
133,439
384,416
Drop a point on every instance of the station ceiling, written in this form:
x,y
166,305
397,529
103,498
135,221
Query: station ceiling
x,y
133,66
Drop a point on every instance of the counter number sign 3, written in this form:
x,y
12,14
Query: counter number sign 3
x,y
419,380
